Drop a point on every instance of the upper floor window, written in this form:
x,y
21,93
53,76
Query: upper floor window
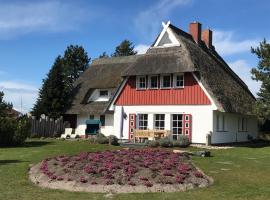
x,y
141,82
179,80
242,124
166,81
221,120
153,82
103,93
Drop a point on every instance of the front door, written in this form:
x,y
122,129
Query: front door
x,y
181,125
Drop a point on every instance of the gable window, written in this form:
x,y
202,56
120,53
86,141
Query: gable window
x,y
166,81
153,82
160,121
142,121
221,120
102,120
103,93
179,80
141,82
242,124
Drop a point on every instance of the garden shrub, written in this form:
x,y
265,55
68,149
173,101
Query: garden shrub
x,y
182,141
102,139
14,131
153,143
113,140
165,142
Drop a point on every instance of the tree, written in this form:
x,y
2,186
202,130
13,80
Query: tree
x,y
262,73
52,95
104,55
75,62
4,106
126,48
55,95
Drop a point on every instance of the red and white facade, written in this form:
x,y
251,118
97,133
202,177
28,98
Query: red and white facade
x,y
176,102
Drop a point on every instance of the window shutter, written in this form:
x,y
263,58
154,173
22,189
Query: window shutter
x,y
187,126
132,126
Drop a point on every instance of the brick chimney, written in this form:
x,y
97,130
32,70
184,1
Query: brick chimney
x,y
195,29
207,37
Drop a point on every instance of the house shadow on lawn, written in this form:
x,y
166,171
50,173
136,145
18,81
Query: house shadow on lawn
x,y
254,144
36,143
6,162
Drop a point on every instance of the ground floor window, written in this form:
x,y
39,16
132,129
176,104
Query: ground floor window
x,y
142,121
91,117
242,124
177,125
159,121
221,122
102,120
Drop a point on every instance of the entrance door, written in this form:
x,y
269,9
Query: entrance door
x,y
181,125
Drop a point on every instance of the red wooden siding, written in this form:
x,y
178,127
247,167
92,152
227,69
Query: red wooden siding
x,y
191,94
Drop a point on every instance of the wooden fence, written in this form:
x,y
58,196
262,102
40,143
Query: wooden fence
x,y
46,127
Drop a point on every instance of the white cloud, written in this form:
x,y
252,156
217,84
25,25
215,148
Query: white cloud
x,y
49,16
226,44
148,21
21,95
242,69
141,48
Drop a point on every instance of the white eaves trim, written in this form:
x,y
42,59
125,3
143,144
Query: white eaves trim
x,y
111,106
205,91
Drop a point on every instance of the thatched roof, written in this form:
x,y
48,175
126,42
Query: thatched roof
x,y
228,91
102,73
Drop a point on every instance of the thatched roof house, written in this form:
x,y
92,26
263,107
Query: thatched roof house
x,y
173,52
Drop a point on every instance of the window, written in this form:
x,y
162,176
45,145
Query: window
x,y
91,117
103,93
143,121
102,120
179,81
242,124
177,125
166,81
153,82
221,122
141,82
160,121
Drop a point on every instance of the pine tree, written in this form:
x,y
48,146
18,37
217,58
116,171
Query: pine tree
x,y
262,73
76,61
126,48
55,95
52,95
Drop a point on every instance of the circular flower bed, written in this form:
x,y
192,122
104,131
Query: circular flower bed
x,y
134,170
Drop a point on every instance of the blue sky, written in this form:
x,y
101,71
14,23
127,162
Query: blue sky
x,y
33,33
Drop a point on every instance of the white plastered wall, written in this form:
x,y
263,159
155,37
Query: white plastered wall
x,y
231,133
107,130
202,118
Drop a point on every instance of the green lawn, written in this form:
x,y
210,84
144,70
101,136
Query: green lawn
x,y
239,173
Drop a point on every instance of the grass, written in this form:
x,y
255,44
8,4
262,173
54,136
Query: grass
x,y
239,173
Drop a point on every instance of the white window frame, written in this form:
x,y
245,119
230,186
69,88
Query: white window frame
x,y
162,80
143,120
242,124
138,83
149,82
177,127
221,123
159,122
175,80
